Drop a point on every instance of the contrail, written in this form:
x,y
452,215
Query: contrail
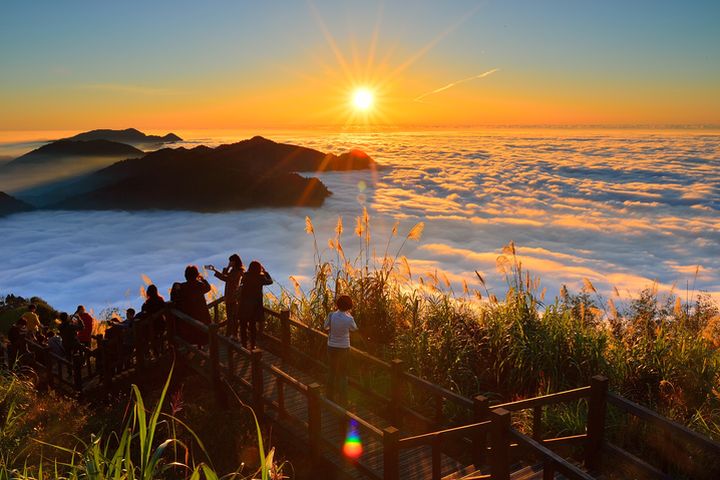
x,y
450,85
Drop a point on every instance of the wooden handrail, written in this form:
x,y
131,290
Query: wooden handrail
x,y
557,462
292,381
187,318
635,462
668,426
438,390
329,404
552,398
427,438
498,428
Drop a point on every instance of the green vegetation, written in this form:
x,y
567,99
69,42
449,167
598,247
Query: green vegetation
x,y
40,437
656,350
12,307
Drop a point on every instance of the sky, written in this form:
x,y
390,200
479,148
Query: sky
x,y
295,64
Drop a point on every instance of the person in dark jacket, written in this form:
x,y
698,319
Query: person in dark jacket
x,y
17,349
68,332
189,298
231,275
154,303
251,302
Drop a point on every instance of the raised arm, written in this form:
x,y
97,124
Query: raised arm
x,y
222,275
204,285
266,279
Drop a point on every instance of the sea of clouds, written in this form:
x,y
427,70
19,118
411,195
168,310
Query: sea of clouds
x,y
622,209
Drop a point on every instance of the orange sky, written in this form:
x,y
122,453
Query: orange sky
x,y
91,66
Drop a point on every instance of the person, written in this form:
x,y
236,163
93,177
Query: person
x,y
231,275
86,321
32,320
339,324
17,335
68,333
189,297
154,303
54,343
251,302
127,325
115,335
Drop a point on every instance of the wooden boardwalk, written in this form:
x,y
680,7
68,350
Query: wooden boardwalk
x,y
409,428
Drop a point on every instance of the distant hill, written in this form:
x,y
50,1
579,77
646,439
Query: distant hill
x,y
129,135
72,148
34,176
252,173
10,205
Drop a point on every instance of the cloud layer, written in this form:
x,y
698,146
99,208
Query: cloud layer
x,y
621,209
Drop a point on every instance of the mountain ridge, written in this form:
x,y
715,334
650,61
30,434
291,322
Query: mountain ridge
x,y
127,135
255,172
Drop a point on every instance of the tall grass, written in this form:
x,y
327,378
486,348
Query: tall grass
x,y
147,447
659,350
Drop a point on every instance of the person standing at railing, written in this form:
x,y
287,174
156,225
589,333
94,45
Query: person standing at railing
x,y
17,349
33,321
154,303
189,297
68,332
339,324
231,275
251,302
86,321
54,343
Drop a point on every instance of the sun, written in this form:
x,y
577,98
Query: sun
x,y
363,99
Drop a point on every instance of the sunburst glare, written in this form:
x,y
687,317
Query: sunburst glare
x,y
363,99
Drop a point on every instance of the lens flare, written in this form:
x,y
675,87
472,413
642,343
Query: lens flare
x,y
353,446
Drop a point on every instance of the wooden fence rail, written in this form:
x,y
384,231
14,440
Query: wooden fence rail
x,y
406,412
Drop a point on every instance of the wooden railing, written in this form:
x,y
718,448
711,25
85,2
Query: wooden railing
x,y
383,383
487,435
689,452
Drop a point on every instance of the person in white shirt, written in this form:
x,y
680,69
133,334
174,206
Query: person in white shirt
x,y
339,324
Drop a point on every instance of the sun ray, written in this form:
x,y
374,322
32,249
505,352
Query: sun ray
x,y
429,46
331,41
374,40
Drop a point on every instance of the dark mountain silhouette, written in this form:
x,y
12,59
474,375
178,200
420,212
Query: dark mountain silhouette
x,y
10,205
71,148
251,173
129,135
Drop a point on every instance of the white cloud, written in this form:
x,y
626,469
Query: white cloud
x,y
616,208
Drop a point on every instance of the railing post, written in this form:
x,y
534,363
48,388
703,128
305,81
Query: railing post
x,y
216,313
47,360
138,339
106,357
396,391
596,423
481,411
500,444
285,333
257,381
314,420
214,352
77,361
436,451
171,331
549,470
391,453
537,423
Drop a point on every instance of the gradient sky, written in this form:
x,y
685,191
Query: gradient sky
x,y
293,64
